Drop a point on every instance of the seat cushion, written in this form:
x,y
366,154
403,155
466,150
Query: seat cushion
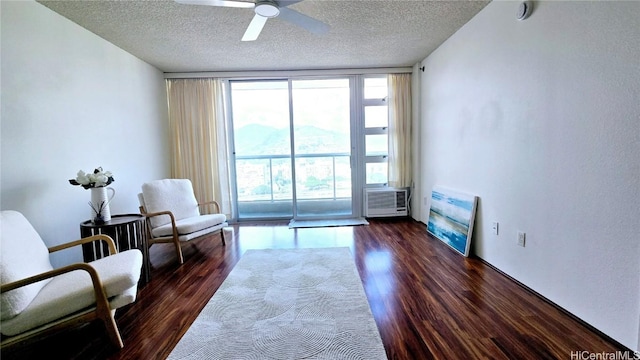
x,y
175,195
125,298
22,254
190,225
73,291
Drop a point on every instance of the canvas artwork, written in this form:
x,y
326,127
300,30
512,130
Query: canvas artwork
x,y
451,218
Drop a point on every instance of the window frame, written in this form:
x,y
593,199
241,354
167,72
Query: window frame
x,y
378,130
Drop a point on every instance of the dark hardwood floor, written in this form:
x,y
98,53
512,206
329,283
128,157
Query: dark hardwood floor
x,y
428,302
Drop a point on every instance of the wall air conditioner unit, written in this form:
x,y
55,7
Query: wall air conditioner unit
x,y
385,202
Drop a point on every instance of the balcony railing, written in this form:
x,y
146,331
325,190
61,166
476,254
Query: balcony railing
x,y
265,186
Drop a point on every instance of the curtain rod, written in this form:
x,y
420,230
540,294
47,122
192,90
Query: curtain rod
x,y
283,73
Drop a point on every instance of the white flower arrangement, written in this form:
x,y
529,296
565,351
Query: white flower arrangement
x,y
98,178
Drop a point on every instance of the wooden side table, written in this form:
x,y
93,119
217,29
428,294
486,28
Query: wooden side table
x,y
128,231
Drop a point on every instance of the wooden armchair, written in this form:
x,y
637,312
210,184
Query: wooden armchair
x,y
37,299
173,214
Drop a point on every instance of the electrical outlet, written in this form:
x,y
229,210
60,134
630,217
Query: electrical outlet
x,y
495,227
521,238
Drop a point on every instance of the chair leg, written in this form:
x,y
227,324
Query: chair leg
x,y
179,251
112,329
222,236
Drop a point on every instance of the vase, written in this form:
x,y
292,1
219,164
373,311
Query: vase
x,y
100,201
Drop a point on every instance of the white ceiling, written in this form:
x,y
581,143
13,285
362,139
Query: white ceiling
x,y
191,38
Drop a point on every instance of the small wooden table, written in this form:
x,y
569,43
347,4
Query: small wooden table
x,y
127,231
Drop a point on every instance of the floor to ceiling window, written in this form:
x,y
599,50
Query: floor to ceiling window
x,y
299,145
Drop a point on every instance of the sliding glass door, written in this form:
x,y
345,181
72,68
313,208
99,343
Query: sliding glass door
x,y
322,144
262,149
292,141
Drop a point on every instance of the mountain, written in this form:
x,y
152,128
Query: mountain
x,y
255,139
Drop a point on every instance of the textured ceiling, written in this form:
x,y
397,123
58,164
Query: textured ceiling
x,y
186,38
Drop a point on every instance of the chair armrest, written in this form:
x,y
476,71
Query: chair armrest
x,y
217,205
95,279
99,237
166,212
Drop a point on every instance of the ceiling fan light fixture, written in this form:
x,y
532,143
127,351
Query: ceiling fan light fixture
x,y
268,9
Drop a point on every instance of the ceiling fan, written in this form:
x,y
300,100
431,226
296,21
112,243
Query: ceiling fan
x,y
266,9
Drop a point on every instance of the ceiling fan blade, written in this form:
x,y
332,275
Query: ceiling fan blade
x,y
224,3
310,24
254,28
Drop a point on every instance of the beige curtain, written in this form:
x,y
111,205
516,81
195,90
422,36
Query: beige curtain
x,y
399,130
199,138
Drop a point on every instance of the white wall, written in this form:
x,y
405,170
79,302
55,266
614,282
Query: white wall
x,y
71,101
541,119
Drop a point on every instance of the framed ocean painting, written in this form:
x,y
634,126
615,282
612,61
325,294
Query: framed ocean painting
x,y
451,216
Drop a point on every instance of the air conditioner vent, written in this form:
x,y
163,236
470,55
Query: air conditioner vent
x,y
401,199
386,202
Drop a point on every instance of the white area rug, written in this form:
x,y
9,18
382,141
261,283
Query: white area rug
x,y
325,223
286,304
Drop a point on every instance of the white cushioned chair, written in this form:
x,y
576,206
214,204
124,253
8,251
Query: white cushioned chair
x,y
36,299
173,213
